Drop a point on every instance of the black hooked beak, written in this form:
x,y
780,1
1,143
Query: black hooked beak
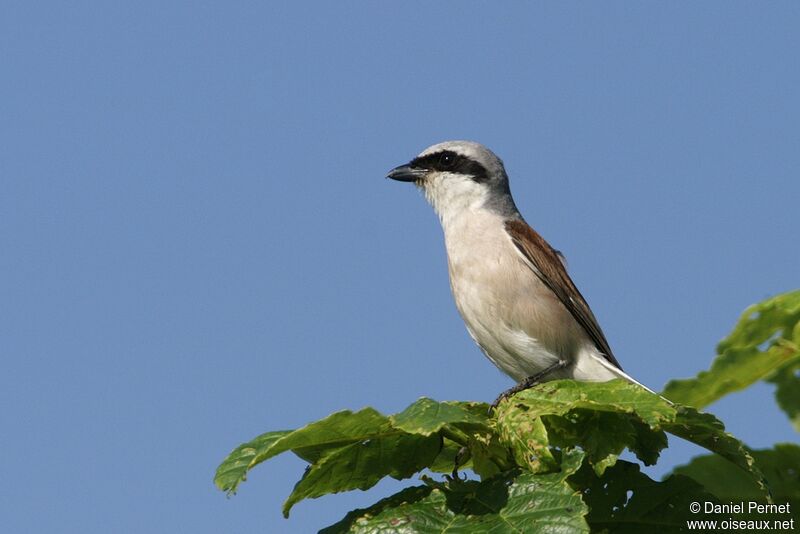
x,y
407,173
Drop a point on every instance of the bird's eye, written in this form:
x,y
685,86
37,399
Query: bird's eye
x,y
447,160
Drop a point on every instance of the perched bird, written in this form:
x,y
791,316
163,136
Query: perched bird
x,y
510,286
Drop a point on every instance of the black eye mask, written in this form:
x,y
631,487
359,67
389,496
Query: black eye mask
x,y
449,161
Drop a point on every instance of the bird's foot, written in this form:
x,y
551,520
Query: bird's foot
x,y
461,458
510,392
527,383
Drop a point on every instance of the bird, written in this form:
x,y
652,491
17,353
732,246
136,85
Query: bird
x,y
510,286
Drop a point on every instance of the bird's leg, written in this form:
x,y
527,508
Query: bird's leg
x,y
461,458
528,382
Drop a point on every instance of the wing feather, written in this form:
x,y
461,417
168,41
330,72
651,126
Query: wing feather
x,y
544,260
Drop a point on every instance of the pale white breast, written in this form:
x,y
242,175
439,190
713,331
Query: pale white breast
x,y
516,320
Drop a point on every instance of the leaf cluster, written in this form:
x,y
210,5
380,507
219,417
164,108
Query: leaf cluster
x,y
547,460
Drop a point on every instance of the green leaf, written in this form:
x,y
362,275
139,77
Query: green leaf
x,y
787,392
362,464
707,431
465,423
763,321
600,417
310,443
411,443
603,418
357,520
233,470
446,459
488,455
765,339
605,435
625,500
511,502
780,466
616,396
349,450
426,416
527,438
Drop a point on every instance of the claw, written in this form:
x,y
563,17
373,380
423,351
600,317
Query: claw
x,y
503,396
458,462
455,478
527,383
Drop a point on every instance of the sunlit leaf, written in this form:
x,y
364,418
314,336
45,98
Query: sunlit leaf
x,y
549,454
362,464
427,416
780,466
233,470
310,443
765,340
707,431
509,503
603,418
787,391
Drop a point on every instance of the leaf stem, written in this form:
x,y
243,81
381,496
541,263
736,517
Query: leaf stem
x,y
456,435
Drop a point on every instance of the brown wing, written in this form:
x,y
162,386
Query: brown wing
x,y
550,269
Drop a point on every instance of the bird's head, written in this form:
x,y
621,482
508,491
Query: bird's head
x,y
457,176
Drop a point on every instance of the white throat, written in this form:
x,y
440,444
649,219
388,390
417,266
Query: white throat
x,y
454,196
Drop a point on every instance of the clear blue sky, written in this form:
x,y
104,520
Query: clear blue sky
x,y
198,242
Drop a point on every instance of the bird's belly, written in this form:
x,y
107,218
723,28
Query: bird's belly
x,y
515,353
518,323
